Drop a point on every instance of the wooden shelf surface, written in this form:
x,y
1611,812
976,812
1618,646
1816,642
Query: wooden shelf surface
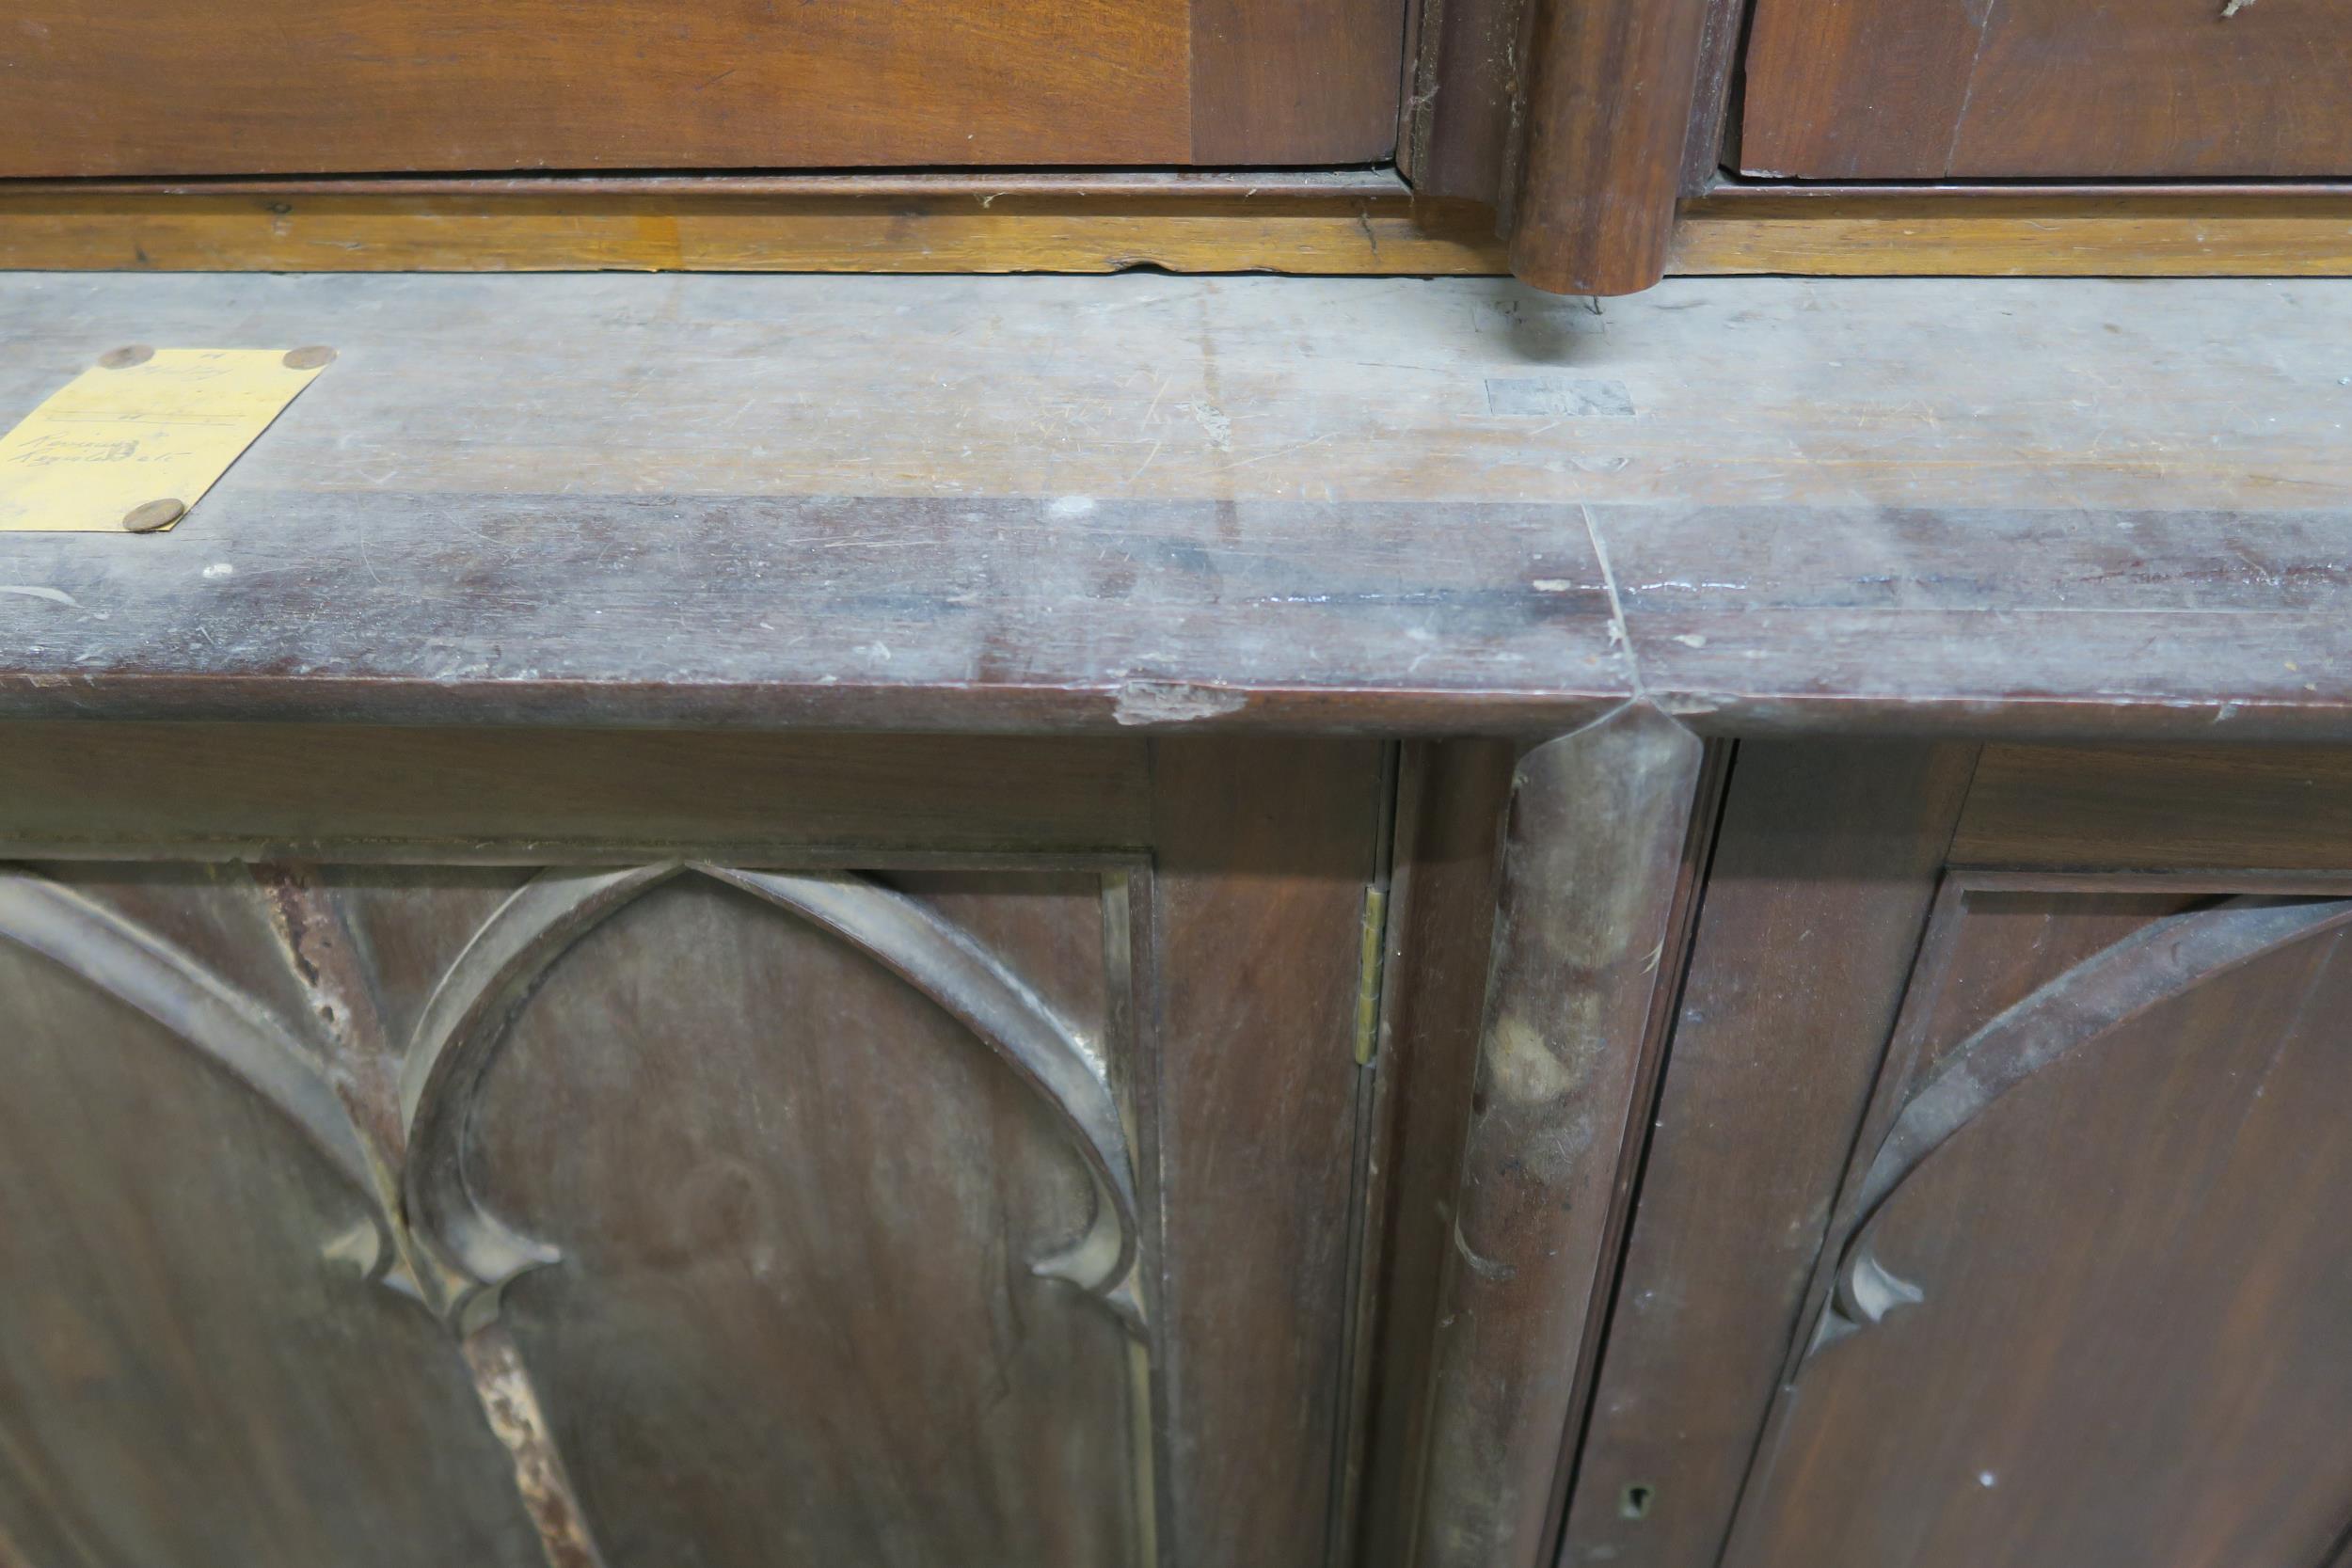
x,y
2049,507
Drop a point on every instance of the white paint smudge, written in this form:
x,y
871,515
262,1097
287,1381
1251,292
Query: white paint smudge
x,y
1173,703
54,595
1214,423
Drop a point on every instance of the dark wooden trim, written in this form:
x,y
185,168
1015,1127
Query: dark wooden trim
x,y
1102,184
1706,149
2174,809
1460,111
1732,189
1451,805
1673,962
1569,996
1606,115
75,790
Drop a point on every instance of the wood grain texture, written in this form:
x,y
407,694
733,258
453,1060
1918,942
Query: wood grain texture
x,y
1463,112
873,1226
1356,222
1823,871
1250,928
196,1347
1606,111
2174,809
1174,503
117,87
1902,90
298,788
803,1228
1295,81
1450,811
1992,233
2098,998
1362,221
1864,598
1723,37
2177,1320
1592,846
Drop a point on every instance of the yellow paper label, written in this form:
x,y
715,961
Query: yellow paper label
x,y
111,441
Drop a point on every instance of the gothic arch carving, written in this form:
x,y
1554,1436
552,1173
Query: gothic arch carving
x,y
2065,1018
234,1030
459,1034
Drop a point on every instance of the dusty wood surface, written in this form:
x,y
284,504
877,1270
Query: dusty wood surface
x,y
1330,221
1570,987
1995,232
1408,506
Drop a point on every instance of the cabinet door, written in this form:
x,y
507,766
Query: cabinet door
x,y
160,87
676,1149
1995,1212
1923,89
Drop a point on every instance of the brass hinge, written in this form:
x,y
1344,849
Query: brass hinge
x,y
1371,960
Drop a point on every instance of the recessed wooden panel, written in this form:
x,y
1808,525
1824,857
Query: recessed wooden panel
x,y
152,87
2089,1291
195,1366
797,1318
1923,89
1821,885
988,1208
2048,1268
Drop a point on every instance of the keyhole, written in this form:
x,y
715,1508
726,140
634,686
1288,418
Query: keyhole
x,y
1636,1501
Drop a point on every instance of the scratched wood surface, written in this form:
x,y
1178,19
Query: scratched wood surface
x,y
1403,505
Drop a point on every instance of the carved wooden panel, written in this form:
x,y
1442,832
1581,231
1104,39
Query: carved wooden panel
x,y
2087,1294
667,1212
195,1351
1992,1210
827,1218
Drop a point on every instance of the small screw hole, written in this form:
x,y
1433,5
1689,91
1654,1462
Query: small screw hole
x,y
1636,1501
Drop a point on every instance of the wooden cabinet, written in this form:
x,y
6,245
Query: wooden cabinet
x,y
148,87
643,943
1993,1212
1920,89
707,1151
637,1150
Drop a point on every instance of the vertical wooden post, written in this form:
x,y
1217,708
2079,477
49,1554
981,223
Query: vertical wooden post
x,y
1605,116
1591,852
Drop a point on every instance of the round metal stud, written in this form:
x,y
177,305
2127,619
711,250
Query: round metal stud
x,y
150,516
127,355
309,358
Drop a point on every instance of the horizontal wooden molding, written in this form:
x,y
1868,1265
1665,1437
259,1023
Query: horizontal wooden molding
x,y
1326,222
1998,232
1336,222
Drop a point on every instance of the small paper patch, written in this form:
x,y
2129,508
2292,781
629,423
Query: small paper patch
x,y
133,447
